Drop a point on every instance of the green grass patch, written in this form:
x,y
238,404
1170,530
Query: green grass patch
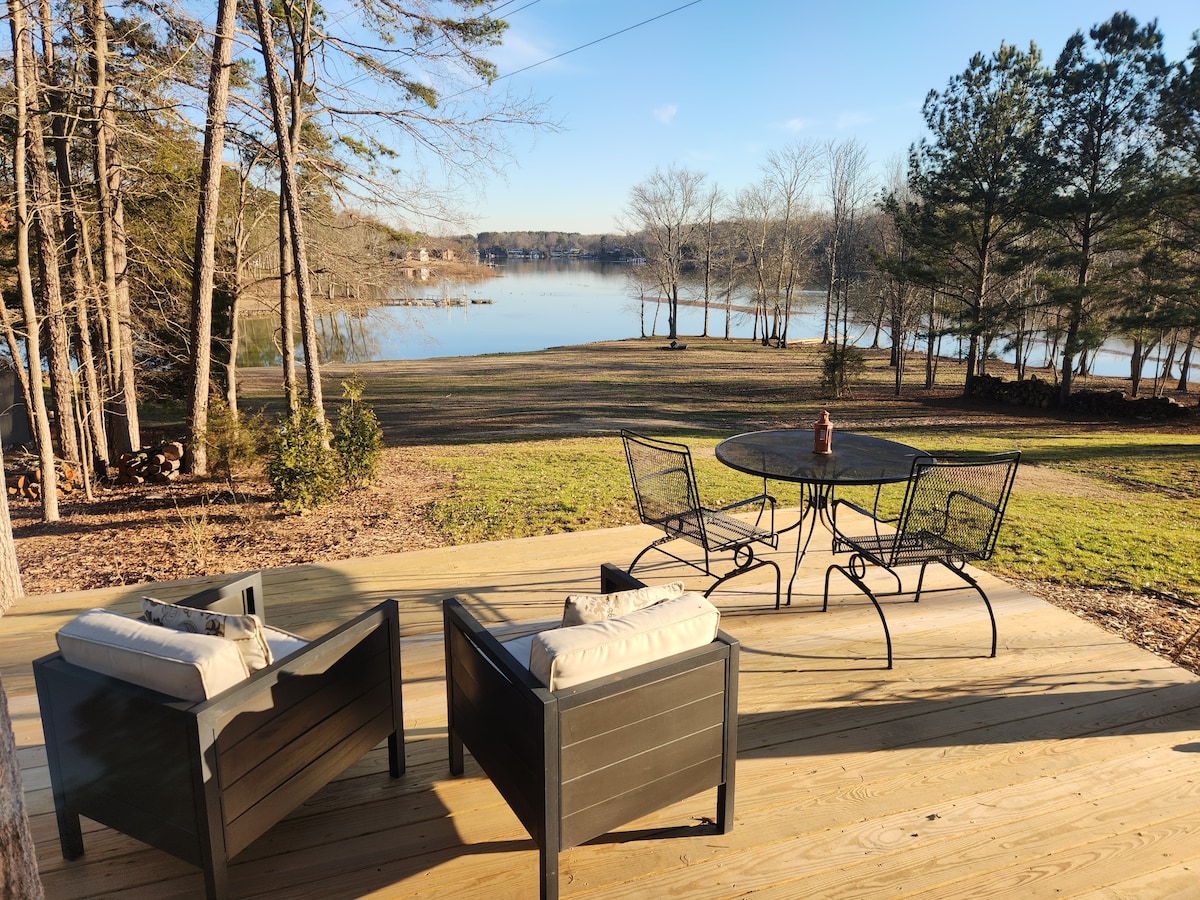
x,y
1127,526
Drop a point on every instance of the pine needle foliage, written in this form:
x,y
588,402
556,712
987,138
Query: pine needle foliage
x,y
358,440
304,470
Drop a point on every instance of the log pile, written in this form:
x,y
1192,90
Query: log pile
x,y
1033,392
158,464
23,477
1116,405
1039,394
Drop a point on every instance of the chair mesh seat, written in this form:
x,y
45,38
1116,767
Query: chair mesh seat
x,y
903,550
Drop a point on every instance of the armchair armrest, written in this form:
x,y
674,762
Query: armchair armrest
x,y
242,596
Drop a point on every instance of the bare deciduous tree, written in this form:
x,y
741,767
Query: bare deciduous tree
x,y
667,209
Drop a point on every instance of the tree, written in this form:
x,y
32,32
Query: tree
x,y
204,252
18,859
289,194
668,210
107,178
972,177
25,146
787,175
1097,150
898,265
848,189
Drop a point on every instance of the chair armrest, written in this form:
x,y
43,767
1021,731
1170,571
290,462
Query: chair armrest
x,y
243,596
315,657
485,644
613,578
762,499
872,515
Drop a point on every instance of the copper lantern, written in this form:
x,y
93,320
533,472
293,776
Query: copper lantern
x,y
823,434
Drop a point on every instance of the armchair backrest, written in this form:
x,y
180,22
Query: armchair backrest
x,y
664,484
956,502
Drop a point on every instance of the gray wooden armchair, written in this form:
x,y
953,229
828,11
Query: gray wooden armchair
x,y
202,780
576,763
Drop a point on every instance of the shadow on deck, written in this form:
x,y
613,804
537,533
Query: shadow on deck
x,y
1066,766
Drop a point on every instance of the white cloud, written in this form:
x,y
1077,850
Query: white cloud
x,y
666,114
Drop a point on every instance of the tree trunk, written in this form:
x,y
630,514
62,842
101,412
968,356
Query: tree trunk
x,y
18,857
196,459
290,193
22,80
1185,364
62,382
287,322
126,430
73,248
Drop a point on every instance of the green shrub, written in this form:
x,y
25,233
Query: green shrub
x,y
840,365
358,440
235,442
304,470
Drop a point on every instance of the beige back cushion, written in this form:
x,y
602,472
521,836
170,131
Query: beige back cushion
x,y
583,609
177,663
246,631
565,657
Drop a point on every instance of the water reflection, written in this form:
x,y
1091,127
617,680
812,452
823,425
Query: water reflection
x,y
529,305
342,337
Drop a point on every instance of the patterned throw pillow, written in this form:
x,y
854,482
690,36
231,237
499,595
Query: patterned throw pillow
x,y
245,631
583,609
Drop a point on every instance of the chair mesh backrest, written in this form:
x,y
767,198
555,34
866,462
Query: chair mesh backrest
x,y
958,502
664,484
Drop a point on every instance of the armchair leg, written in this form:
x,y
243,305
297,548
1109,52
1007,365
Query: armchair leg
x,y
724,808
861,585
750,568
396,763
70,834
216,880
966,576
456,754
961,573
548,864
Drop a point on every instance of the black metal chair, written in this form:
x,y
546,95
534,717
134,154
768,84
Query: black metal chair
x,y
952,511
664,484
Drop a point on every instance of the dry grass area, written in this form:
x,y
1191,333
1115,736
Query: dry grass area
x,y
199,527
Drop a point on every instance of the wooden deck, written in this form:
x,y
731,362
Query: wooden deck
x,y
1068,766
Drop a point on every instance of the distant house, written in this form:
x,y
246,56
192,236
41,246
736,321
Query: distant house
x,y
444,254
419,255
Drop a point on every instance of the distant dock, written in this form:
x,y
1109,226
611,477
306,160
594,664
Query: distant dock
x,y
434,301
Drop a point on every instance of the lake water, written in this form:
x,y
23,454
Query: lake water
x,y
530,305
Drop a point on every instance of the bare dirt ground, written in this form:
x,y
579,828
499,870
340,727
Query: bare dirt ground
x,y
131,535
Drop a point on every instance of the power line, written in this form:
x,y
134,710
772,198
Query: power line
x,y
596,41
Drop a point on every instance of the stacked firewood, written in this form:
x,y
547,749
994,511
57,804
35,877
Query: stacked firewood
x,y
158,464
23,476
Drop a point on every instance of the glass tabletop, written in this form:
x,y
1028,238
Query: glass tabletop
x,y
786,454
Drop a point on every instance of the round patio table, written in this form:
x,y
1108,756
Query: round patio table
x,y
786,454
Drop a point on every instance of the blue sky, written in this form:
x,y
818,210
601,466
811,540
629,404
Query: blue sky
x,y
717,85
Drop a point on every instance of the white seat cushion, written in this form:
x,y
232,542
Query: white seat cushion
x,y
282,643
177,663
565,657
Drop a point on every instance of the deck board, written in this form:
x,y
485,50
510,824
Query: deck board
x,y
1064,767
